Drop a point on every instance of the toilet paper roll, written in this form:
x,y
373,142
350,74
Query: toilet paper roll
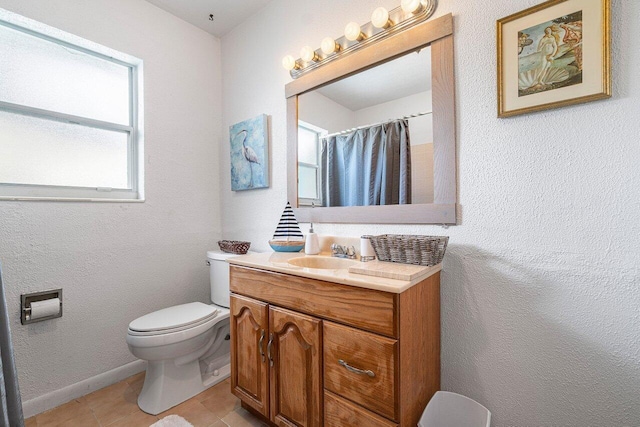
x,y
365,247
46,308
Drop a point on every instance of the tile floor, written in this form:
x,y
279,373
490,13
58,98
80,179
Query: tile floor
x,y
115,406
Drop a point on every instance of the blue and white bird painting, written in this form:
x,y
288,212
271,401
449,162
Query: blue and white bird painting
x,y
249,154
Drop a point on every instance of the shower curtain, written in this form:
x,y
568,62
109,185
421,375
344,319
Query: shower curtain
x,y
10,402
369,166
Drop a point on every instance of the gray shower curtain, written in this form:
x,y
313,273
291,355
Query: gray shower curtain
x,y
369,166
10,402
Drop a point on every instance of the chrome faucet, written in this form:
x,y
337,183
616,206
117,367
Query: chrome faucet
x,y
343,251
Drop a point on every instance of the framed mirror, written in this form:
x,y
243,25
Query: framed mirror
x,y
371,135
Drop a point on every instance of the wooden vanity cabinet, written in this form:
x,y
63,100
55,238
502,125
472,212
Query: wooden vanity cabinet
x,y
296,368
249,326
276,362
306,352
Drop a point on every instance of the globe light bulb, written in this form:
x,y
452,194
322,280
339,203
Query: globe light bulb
x,y
289,63
411,6
352,32
308,54
380,18
329,46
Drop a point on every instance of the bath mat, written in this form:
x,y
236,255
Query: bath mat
x,y
172,421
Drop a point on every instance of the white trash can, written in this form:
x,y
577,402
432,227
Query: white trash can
x,y
446,409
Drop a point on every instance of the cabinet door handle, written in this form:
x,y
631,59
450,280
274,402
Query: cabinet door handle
x,y
350,368
260,345
269,349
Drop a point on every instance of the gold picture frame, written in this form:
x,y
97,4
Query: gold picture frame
x,y
545,60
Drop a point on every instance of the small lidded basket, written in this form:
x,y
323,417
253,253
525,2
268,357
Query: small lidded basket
x,y
410,249
234,246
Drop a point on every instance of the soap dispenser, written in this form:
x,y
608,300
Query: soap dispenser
x,y
312,246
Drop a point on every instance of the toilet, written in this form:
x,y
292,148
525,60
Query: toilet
x,y
186,346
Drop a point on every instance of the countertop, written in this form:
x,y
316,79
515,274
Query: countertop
x,y
278,262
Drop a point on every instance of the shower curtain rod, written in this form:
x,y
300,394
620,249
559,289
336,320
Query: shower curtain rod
x,y
411,116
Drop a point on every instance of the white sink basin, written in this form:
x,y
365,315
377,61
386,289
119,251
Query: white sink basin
x,y
322,262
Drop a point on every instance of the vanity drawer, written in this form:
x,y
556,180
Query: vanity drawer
x,y
361,367
340,412
363,308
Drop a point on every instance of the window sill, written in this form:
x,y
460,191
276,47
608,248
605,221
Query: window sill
x,y
68,199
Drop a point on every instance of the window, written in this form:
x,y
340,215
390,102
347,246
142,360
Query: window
x,y
70,116
309,171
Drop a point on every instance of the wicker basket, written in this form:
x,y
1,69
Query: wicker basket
x,y
234,246
410,249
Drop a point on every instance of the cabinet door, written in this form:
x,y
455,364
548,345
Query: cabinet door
x,y
295,354
249,365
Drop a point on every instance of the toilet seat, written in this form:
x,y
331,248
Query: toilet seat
x,y
180,334
173,319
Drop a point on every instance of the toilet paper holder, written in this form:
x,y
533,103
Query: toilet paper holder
x,y
27,299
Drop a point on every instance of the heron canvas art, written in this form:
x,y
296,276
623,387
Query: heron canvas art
x,y
249,154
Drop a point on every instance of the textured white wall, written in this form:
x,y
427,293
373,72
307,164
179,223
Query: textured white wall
x,y
117,261
540,290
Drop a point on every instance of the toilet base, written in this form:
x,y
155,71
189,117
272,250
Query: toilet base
x,y
167,385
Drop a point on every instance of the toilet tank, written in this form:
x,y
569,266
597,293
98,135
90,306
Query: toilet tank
x,y
219,277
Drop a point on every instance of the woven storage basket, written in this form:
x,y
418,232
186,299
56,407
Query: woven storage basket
x,y
410,249
234,246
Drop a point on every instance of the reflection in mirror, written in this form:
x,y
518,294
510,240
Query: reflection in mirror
x,y
368,139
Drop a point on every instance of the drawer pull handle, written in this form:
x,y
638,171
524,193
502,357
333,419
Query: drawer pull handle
x,y
350,368
260,345
269,349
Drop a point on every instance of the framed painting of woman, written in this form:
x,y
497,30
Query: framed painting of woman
x,y
552,55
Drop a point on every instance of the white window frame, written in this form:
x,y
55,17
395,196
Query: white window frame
x,y
135,190
319,133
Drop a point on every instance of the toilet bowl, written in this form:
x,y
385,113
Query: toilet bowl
x,y
186,346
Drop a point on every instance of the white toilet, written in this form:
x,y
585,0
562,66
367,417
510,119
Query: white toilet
x,y
186,346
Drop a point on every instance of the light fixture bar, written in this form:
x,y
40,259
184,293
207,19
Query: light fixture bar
x,y
401,20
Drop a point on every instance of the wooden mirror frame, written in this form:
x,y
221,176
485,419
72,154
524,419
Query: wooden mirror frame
x,y
438,34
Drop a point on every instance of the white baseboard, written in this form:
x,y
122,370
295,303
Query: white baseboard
x,y
56,398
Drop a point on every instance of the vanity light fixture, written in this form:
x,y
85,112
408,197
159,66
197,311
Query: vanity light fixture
x,y
308,54
383,23
380,18
412,6
329,46
353,32
289,63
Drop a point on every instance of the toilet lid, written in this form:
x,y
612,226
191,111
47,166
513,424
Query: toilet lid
x,y
174,317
